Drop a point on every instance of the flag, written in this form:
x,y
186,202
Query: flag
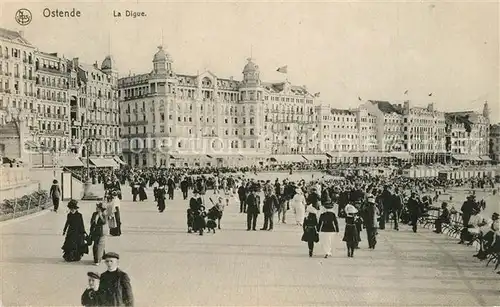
x,y
430,94
406,92
283,69
317,94
359,98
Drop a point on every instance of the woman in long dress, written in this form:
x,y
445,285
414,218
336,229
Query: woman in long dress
x,y
74,243
113,213
299,206
351,235
327,228
310,234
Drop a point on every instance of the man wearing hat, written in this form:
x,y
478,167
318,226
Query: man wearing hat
x,y
114,286
415,209
253,209
370,219
468,208
90,296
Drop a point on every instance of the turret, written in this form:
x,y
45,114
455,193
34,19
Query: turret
x,y
486,110
162,62
251,74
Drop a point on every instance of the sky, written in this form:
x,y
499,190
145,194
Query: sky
x,y
345,50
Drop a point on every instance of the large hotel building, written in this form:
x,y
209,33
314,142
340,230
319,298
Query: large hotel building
x,y
167,118
176,119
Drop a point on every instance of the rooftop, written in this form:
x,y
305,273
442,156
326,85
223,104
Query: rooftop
x,y
13,36
386,106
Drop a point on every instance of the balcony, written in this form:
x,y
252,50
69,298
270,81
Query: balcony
x,y
17,76
49,69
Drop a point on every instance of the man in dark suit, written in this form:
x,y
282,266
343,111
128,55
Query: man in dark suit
x,y
114,287
269,207
96,233
370,219
184,188
242,195
397,207
253,209
415,210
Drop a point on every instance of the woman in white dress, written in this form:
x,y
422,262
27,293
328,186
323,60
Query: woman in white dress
x,y
298,203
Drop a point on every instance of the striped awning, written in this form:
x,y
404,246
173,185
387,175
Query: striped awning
x,y
289,158
400,155
485,158
70,161
119,161
103,162
466,158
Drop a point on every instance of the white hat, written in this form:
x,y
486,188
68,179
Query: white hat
x,y
350,209
371,200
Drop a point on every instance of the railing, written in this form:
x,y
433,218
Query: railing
x,y
27,204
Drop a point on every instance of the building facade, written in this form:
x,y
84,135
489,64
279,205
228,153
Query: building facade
x,y
468,135
52,127
17,76
95,115
168,115
495,142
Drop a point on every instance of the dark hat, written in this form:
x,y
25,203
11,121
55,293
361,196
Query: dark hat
x,y
99,205
111,255
73,204
495,215
114,192
93,275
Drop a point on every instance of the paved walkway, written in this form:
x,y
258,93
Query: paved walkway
x,y
169,267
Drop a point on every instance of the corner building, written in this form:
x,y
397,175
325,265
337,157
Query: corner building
x,y
95,116
175,119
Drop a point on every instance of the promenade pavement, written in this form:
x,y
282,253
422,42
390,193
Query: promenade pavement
x,y
169,267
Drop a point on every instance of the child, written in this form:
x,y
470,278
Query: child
x,y
90,295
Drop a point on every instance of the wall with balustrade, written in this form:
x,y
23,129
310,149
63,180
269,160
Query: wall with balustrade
x,y
16,182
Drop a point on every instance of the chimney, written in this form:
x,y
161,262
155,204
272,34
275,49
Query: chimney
x,y
21,33
231,78
75,63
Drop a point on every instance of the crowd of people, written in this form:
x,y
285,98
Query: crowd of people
x,y
364,203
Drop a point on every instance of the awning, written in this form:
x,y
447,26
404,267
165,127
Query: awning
x,y
400,155
31,144
485,158
315,157
289,158
119,161
223,156
466,158
70,161
102,162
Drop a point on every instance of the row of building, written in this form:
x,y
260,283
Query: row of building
x,y
163,117
63,102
